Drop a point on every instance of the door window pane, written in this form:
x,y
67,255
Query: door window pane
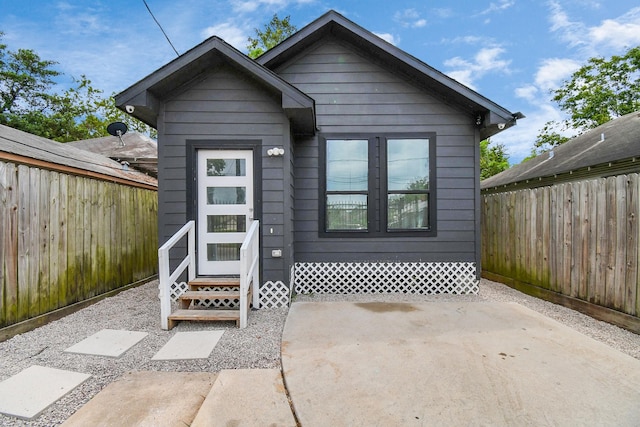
x,y
346,212
223,251
347,165
408,212
226,195
407,164
226,224
226,167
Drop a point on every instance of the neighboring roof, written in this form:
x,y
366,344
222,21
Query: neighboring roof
x,y
145,95
493,117
593,153
22,147
139,151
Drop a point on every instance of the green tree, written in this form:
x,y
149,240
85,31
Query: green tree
x,y
493,160
273,33
598,92
28,101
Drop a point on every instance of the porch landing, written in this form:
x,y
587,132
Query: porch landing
x,y
450,363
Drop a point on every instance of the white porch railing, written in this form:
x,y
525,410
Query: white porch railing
x,y
249,269
165,276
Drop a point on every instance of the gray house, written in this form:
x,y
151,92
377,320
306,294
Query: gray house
x,y
360,161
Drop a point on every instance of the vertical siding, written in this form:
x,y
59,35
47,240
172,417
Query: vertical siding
x,y
224,105
353,95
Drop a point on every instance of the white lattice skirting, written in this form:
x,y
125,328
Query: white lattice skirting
x,y
386,277
272,295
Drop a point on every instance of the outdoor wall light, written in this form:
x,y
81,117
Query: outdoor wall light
x,y
275,152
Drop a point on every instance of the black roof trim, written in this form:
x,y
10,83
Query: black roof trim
x,y
144,96
487,112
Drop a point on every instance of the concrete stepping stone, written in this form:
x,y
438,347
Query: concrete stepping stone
x,y
28,393
189,345
246,397
107,342
146,399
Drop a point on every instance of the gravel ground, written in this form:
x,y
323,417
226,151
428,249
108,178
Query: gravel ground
x,y
257,346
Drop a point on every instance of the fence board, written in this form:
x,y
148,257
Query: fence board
x,y
545,236
64,296
10,244
23,234
4,230
593,242
620,264
602,254
630,295
612,241
576,243
72,294
553,242
34,242
566,239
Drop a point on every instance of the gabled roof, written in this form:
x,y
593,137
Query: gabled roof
x,y
442,86
138,150
145,95
22,147
611,147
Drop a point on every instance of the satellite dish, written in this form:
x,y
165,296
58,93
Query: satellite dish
x,y
117,129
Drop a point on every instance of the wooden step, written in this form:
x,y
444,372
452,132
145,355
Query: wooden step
x,y
210,295
204,316
214,282
188,296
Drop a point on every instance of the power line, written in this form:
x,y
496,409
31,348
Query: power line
x,y
160,26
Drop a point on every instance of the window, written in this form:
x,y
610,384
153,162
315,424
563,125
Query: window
x,y
378,185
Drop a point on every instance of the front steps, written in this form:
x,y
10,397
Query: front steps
x,y
214,291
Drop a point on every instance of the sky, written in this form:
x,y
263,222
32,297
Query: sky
x,y
513,52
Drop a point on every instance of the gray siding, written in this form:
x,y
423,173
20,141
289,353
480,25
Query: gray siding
x,y
354,95
225,106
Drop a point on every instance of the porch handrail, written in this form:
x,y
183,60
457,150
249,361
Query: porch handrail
x,y
249,271
166,277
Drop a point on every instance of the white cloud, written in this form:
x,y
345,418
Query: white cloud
x,y
465,40
618,33
410,18
553,71
389,38
528,92
230,33
571,32
487,60
498,7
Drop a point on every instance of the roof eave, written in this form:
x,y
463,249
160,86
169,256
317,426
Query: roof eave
x,y
493,115
143,99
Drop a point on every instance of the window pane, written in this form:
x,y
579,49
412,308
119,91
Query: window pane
x,y
226,224
407,164
226,167
347,165
347,212
223,251
408,212
226,195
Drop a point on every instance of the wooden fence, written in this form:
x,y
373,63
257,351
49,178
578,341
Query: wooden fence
x,y
578,239
68,238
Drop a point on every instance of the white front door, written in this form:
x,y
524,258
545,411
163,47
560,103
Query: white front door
x,y
225,208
